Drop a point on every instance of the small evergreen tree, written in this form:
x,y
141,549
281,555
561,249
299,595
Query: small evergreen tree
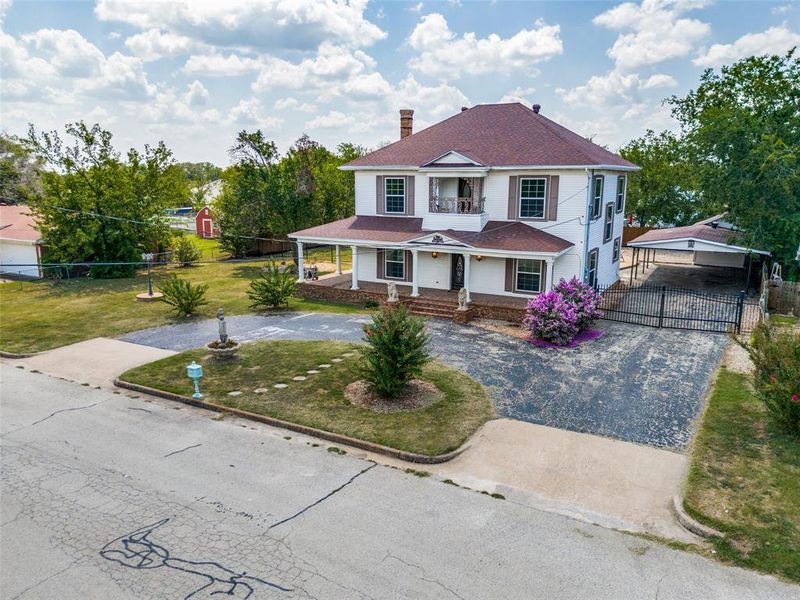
x,y
396,350
186,251
272,289
184,297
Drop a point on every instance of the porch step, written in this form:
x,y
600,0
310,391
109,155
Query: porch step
x,y
427,312
432,307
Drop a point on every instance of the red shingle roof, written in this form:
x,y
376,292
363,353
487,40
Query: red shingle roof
x,y
16,223
495,135
496,235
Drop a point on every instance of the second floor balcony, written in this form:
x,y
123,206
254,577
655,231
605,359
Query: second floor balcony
x,y
456,195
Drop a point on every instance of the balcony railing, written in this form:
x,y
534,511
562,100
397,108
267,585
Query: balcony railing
x,y
457,206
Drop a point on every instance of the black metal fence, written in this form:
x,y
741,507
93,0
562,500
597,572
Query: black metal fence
x,y
678,308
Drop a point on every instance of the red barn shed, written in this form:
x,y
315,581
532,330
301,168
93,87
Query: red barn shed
x,y
204,222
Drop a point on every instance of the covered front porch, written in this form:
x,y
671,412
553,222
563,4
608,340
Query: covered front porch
x,y
428,301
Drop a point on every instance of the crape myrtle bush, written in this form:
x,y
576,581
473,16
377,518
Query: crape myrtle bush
x,y
396,349
776,357
559,315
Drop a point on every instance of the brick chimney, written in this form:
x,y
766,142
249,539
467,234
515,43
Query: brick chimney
x,y
406,122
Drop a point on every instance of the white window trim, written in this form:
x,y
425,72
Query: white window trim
x,y
608,221
544,200
517,272
596,252
595,200
386,261
620,206
386,196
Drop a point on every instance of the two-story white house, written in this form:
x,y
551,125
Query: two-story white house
x,y
497,199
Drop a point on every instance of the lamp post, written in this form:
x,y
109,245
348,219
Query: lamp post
x,y
150,295
195,373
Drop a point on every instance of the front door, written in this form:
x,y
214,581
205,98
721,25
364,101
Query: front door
x,y
456,271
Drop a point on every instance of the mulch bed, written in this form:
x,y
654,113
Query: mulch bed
x,y
418,394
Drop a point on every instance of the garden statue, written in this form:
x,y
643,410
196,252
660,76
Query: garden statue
x,y
392,289
223,328
462,299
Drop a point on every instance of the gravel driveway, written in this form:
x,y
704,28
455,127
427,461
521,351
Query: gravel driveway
x,y
634,383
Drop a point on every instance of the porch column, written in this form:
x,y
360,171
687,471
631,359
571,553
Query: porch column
x,y
338,260
354,250
467,261
549,284
301,272
414,273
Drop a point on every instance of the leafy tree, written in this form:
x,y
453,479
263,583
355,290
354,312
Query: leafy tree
x,y
183,296
396,350
19,171
742,132
272,289
96,206
662,192
185,251
200,176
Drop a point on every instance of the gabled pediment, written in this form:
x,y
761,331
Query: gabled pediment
x,y
452,158
438,239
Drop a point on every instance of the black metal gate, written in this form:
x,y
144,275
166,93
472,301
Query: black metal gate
x,y
675,308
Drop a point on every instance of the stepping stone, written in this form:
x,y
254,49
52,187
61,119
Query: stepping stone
x,y
261,390
280,386
312,371
236,393
349,354
299,378
324,366
337,359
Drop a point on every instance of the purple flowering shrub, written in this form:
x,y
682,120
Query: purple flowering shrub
x,y
583,298
551,318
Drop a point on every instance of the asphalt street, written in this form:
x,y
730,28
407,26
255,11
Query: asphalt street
x,y
112,496
635,383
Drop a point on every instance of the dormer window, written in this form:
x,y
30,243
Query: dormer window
x,y
532,197
395,195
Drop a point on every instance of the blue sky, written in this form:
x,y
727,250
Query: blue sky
x,y
193,73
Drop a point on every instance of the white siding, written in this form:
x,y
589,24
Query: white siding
x,y
18,253
434,272
719,259
488,276
607,269
365,193
366,199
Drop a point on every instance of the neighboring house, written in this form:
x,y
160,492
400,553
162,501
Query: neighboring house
x,y
497,199
20,242
204,223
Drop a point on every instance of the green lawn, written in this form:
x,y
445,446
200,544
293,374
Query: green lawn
x,y
319,400
328,255
783,320
745,481
39,315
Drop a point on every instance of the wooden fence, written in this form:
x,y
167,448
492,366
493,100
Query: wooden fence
x,y
784,298
630,232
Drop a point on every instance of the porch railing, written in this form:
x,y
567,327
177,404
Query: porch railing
x,y
458,206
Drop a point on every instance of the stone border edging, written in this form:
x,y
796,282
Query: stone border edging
x,y
691,524
319,433
4,354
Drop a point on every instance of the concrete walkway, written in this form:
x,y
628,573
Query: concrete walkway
x,y
97,361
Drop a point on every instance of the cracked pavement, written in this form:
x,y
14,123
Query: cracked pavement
x,y
92,507
636,384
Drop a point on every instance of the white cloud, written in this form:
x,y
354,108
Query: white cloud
x,y
781,9
294,104
154,44
659,80
249,112
4,6
613,88
299,24
518,94
654,31
443,55
220,65
196,94
417,8
775,40
333,120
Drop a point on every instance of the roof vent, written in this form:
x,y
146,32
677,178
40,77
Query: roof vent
x,y
536,108
463,108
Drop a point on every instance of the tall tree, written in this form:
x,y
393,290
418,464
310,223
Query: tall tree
x,y
742,131
19,171
662,192
96,206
